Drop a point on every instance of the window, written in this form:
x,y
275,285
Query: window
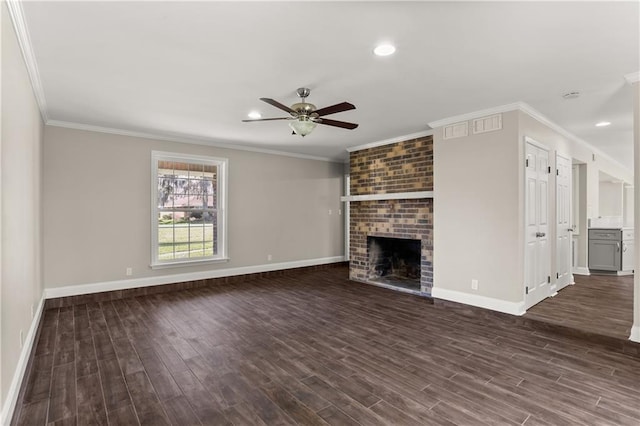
x,y
188,209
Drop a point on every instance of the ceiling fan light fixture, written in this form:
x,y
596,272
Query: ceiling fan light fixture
x,y
603,124
254,115
302,126
384,49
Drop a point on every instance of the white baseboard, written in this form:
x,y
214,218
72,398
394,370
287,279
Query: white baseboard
x,y
80,289
635,333
581,270
9,403
513,308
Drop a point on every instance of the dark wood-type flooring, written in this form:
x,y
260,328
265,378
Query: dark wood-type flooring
x,y
314,348
601,304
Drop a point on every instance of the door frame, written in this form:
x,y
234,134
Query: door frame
x,y
535,143
347,216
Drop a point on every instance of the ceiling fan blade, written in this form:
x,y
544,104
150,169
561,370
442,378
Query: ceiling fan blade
x,y
344,106
267,119
337,123
278,105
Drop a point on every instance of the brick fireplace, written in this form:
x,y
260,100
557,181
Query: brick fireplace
x,y
390,197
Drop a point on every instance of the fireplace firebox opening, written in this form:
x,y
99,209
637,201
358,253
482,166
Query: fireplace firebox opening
x,y
394,261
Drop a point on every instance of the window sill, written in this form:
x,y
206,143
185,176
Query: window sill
x,y
181,264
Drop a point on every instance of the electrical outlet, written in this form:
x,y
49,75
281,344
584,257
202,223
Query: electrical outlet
x,y
474,284
129,271
21,339
330,212
269,258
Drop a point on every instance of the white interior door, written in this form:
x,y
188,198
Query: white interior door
x,y
537,251
563,222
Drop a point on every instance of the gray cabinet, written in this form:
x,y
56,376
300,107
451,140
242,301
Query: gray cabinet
x,y
611,249
605,249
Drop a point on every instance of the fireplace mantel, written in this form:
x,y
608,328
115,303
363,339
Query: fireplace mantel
x,y
390,196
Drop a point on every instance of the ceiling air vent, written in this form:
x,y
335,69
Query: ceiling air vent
x,y
487,124
456,130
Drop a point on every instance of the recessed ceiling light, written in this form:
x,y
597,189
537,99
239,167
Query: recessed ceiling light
x,y
384,50
254,114
571,95
603,124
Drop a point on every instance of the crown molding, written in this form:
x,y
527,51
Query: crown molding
x,y
634,77
183,139
16,14
390,141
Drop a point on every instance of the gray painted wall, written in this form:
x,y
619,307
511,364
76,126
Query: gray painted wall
x,y
97,204
479,205
21,165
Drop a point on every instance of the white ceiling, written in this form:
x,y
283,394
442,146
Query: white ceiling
x,y
195,69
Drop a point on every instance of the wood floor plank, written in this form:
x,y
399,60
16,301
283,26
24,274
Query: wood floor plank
x,y
208,409
349,406
115,390
145,400
179,412
299,412
333,416
243,414
38,385
90,401
34,413
86,359
124,415
62,403
269,412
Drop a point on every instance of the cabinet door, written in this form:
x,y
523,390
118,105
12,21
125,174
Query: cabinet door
x,y
627,256
604,255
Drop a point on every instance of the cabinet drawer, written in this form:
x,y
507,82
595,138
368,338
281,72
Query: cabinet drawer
x,y
604,234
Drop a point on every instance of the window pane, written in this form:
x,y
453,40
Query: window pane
x,y
196,237
210,188
197,193
165,236
165,191
210,248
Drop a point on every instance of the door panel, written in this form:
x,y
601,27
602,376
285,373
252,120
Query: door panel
x,y
604,255
537,250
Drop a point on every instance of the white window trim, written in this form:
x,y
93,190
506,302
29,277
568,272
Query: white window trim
x,y
223,168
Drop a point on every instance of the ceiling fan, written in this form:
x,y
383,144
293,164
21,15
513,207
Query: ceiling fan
x,y
304,116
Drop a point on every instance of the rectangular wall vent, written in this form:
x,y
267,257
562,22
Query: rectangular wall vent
x,y
487,124
456,130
